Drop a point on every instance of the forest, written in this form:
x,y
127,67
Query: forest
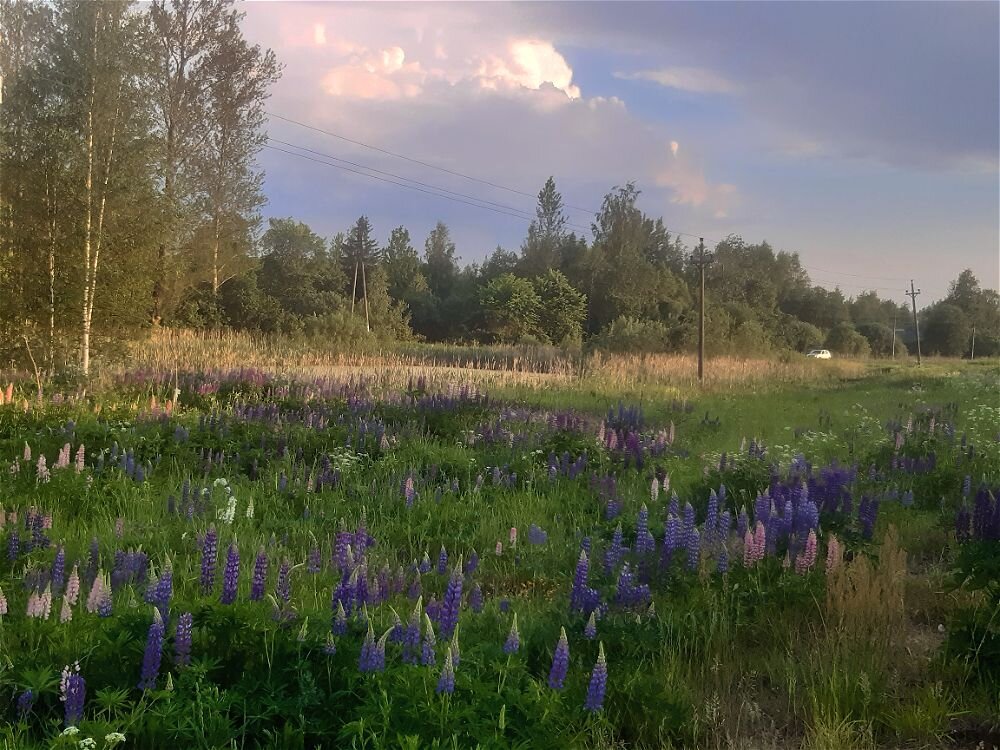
x,y
131,198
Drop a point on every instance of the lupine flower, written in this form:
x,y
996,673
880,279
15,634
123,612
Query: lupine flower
x,y
367,659
411,636
329,646
42,470
425,563
66,613
590,629
560,662
513,642
427,655
452,602
513,536
209,550
598,682
25,702
59,569
259,582
73,693
644,542
442,564
409,493
654,490
231,575
3,603
722,563
339,624
153,653
578,593
182,640
834,554
476,599
499,548
693,549
807,558
284,586
80,457
446,682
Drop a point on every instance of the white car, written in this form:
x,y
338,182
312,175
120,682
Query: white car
x,y
820,354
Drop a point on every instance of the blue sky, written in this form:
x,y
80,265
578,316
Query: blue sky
x,y
862,135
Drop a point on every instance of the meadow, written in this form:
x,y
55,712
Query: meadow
x,y
223,545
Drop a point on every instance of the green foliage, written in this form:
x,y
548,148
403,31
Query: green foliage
x,y
627,334
844,339
512,307
562,309
946,331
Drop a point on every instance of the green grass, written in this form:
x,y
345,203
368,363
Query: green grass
x,y
747,658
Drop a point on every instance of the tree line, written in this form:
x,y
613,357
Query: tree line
x,y
130,198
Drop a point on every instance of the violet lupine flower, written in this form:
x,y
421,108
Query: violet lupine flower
x,y
231,575
442,564
315,562
368,659
59,570
513,642
73,693
452,603
259,582
329,646
590,629
154,651
711,515
688,523
577,596
411,635
427,655
722,562
13,545
182,640
25,702
476,599
560,662
284,586
339,624
616,550
742,522
598,682
671,539
209,550
425,564
693,549
415,589
643,539
446,682
472,564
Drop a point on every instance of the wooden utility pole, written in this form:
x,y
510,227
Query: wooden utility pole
x,y
703,260
364,292
912,294
972,354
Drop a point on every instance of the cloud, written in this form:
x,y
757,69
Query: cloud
x,y
698,80
380,75
674,146
530,63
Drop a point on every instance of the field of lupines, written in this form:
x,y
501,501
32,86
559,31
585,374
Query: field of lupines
x,y
233,559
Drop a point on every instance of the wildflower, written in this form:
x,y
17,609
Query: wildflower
x,y
284,587
339,625
513,536
96,593
476,599
590,629
560,662
259,581
59,569
25,702
209,550
446,682
411,635
80,457
693,549
513,642
72,594
456,653
644,542
73,693
834,554
654,490
427,655
598,682
3,603
807,558
409,492
66,613
499,548
442,564
452,602
42,470
182,640
231,575
722,563
578,594
113,738
153,653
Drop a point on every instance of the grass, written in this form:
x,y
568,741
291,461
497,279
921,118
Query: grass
x,y
757,656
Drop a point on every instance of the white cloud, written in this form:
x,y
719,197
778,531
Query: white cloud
x,y
698,80
674,147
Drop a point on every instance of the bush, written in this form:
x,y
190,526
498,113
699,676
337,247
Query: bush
x,y
627,334
844,339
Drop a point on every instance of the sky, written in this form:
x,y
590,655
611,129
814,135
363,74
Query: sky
x,y
864,136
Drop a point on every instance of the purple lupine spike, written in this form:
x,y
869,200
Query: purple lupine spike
x,y
153,653
368,659
411,636
688,522
513,642
415,589
446,682
442,564
472,564
598,683
59,570
259,582
671,539
25,702
209,551
427,656
452,603
284,586
164,590
13,544
712,515
315,562
560,662
425,564
674,507
642,536
578,593
693,549
231,575
615,551
476,599
182,640
73,694
725,524
722,563
590,629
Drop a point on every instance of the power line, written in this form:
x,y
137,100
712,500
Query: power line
x,y
393,182
500,207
